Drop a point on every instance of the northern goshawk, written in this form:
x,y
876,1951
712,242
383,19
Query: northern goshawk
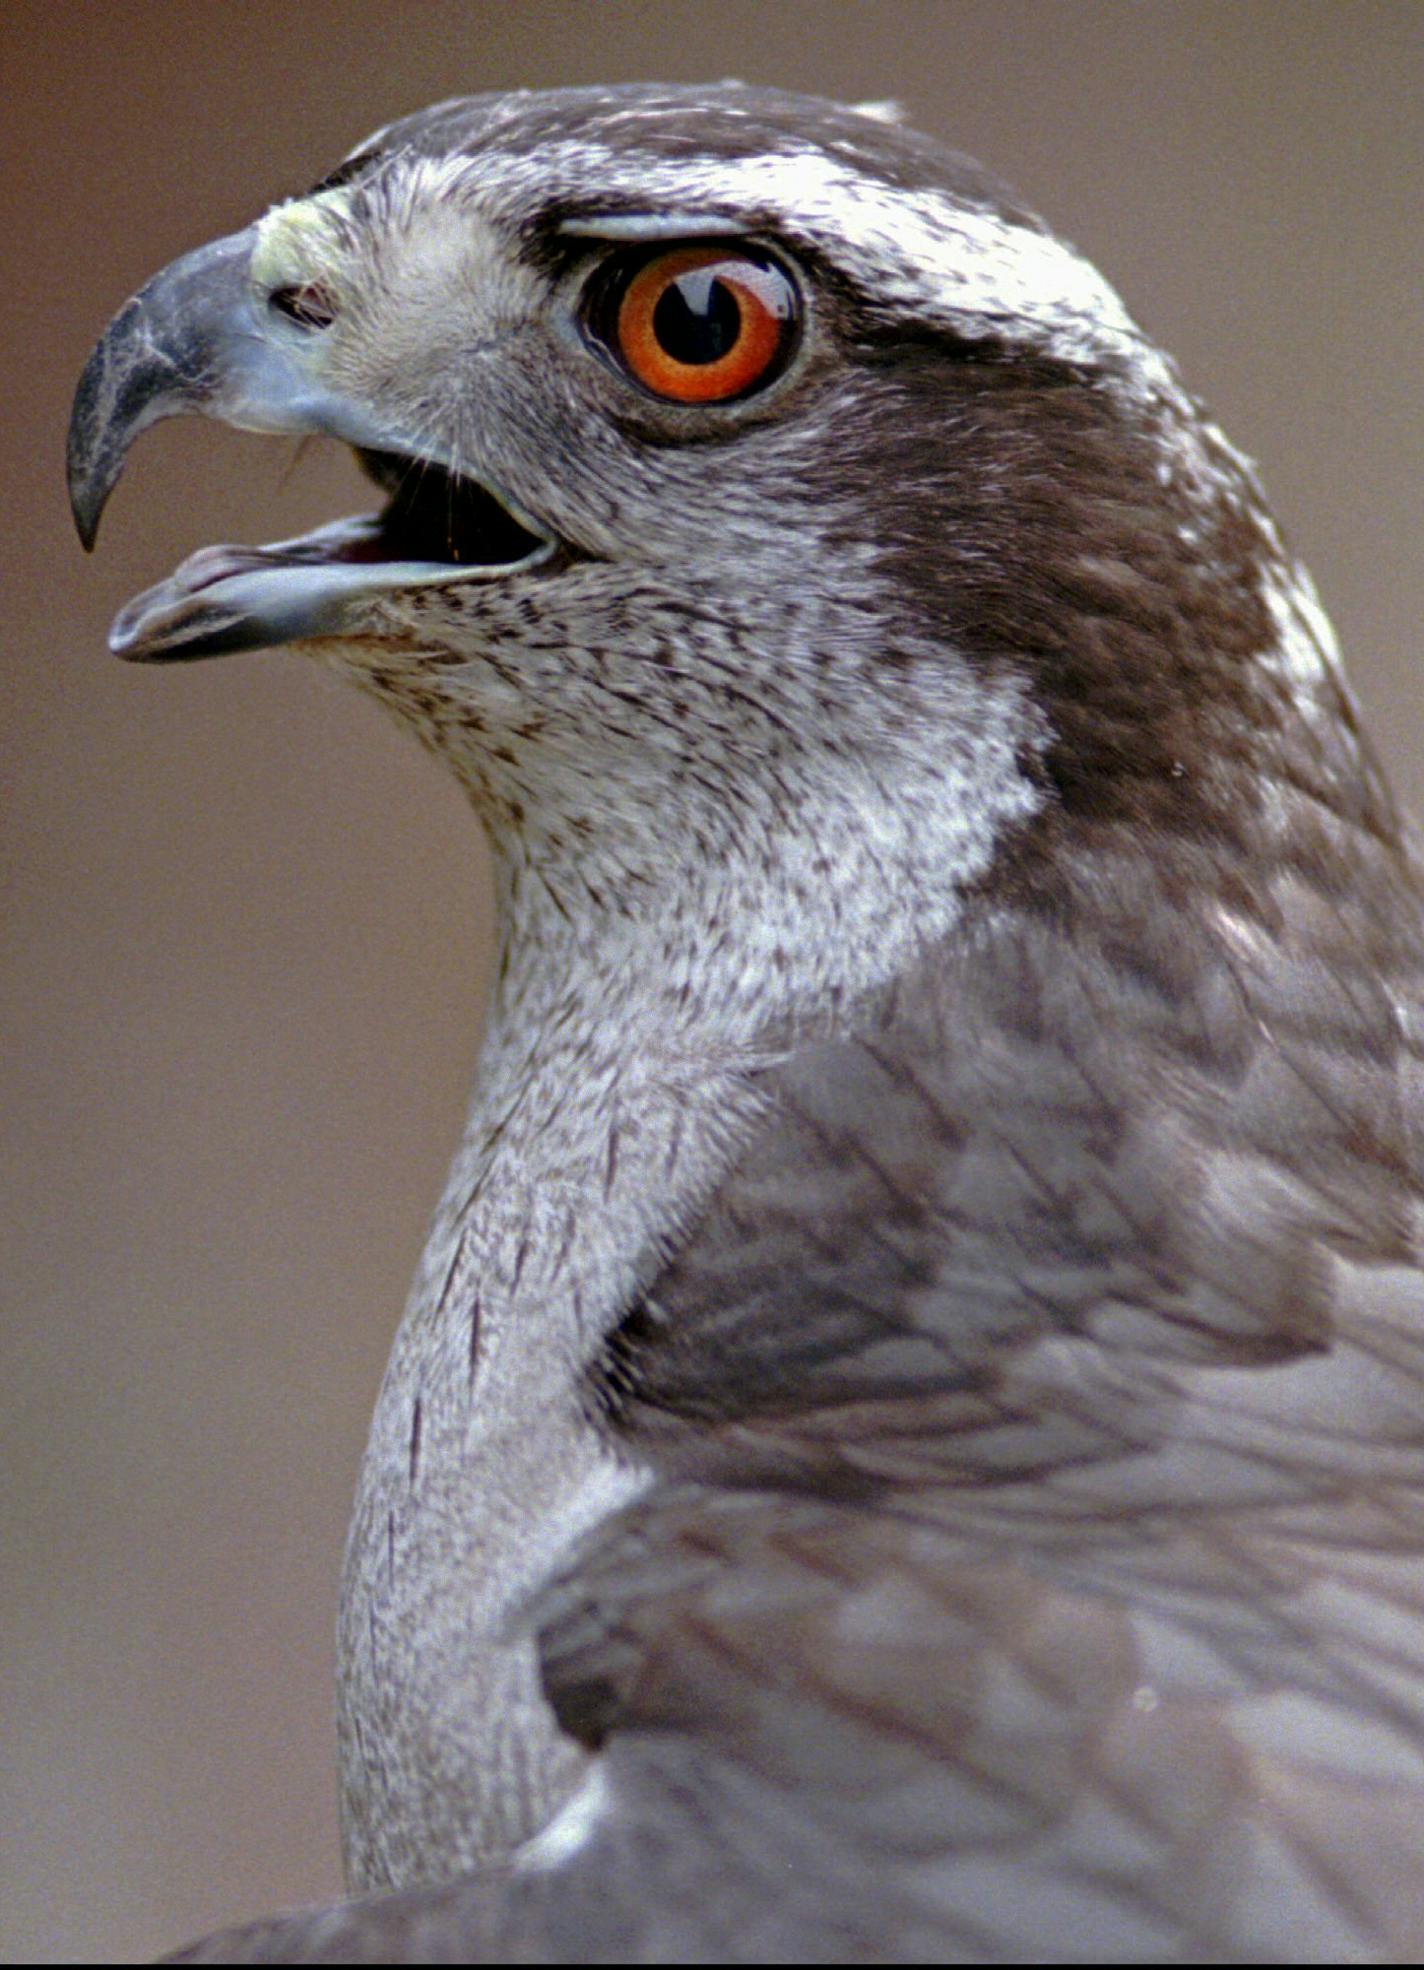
x,y
908,1437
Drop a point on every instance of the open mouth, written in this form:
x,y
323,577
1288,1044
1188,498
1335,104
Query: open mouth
x,y
437,527
443,518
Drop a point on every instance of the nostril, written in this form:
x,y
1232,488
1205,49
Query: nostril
x,y
309,306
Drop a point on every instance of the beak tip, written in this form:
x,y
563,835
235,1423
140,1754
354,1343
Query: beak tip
x,y
89,474
86,506
86,526
161,355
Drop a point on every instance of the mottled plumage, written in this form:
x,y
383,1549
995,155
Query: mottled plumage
x,y
908,1440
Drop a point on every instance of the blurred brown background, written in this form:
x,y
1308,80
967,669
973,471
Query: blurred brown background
x,y
244,918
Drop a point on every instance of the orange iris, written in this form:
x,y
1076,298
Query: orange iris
x,y
701,324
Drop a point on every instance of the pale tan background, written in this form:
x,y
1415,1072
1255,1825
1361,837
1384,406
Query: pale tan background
x,y
244,918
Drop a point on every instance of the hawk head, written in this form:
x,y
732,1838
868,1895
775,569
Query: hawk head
x,y
743,456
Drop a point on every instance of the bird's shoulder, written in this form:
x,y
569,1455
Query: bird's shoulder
x,y
1041,1412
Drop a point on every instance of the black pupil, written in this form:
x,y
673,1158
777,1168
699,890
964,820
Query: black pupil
x,y
697,318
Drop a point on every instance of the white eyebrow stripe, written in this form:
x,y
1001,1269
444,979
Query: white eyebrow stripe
x,y
920,251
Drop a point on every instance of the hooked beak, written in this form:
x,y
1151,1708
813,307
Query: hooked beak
x,y
201,337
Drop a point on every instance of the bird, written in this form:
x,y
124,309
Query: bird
x,y
907,1438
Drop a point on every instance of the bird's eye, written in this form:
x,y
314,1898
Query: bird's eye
x,y
698,324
